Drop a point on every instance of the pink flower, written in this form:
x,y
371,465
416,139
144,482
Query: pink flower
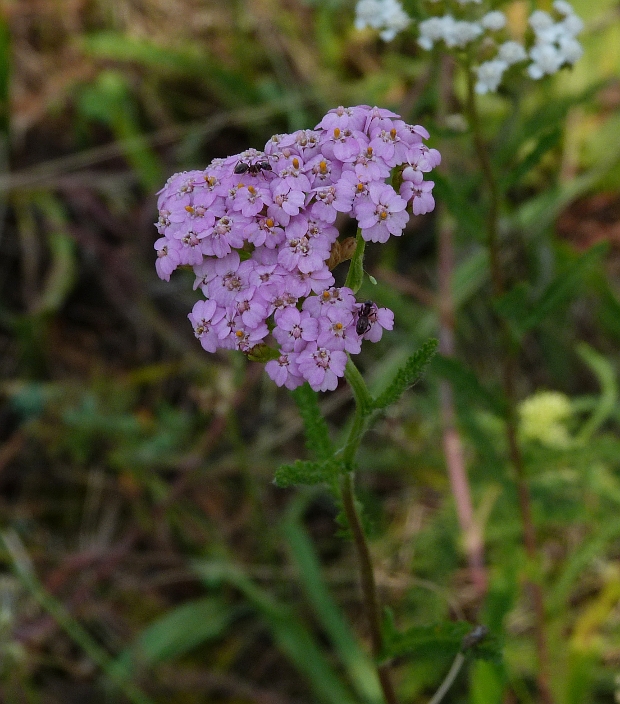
x,y
380,319
204,318
420,194
321,366
294,329
383,215
168,257
286,203
284,371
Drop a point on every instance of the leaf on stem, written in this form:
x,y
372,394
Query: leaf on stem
x,y
443,639
315,427
355,277
407,375
306,472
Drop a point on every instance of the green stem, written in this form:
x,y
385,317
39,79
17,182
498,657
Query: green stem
x,y
363,408
508,381
369,588
355,275
449,679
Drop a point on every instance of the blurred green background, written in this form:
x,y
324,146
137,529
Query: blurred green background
x,y
146,554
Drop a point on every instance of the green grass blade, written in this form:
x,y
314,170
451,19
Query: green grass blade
x,y
579,561
289,633
175,633
606,376
360,667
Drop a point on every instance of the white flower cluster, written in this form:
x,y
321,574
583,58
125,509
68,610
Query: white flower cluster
x,y
555,43
385,15
455,33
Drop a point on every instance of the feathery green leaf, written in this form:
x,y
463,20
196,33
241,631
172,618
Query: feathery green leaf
x,y
407,375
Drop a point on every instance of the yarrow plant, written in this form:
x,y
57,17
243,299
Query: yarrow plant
x,y
258,230
551,43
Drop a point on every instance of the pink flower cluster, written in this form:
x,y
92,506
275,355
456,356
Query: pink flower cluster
x,y
258,230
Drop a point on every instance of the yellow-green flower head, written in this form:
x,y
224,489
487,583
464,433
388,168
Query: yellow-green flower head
x,y
543,416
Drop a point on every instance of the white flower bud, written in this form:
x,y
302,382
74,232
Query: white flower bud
x,y
512,52
494,20
489,76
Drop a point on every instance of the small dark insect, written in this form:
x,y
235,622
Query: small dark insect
x,y
363,323
254,169
477,635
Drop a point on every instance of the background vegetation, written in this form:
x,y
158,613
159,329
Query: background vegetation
x,y
146,553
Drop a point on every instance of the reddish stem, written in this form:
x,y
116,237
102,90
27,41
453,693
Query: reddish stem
x,y
453,448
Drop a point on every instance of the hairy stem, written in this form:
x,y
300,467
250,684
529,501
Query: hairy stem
x,y
370,599
508,382
363,401
368,585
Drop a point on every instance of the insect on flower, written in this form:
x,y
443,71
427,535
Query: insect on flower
x,y
258,229
363,322
253,169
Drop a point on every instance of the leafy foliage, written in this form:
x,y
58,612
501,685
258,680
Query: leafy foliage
x,y
444,639
315,428
306,472
525,317
407,376
355,275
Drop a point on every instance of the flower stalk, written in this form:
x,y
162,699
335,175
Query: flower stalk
x,y
368,585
